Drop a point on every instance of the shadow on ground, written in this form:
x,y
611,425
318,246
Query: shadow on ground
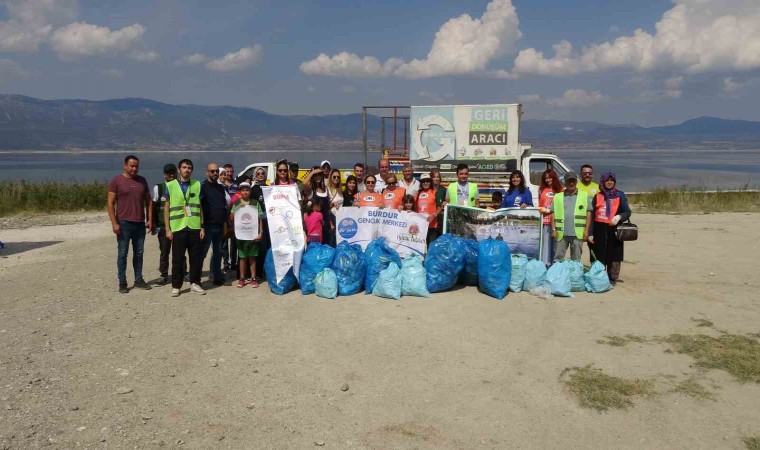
x,y
14,248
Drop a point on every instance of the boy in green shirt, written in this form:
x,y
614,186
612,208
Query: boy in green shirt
x,y
248,250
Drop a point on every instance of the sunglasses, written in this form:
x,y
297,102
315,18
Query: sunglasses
x,y
369,182
336,177
587,173
282,170
213,171
391,183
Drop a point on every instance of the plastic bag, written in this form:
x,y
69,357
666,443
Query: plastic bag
x,y
596,279
495,267
326,284
444,262
576,276
543,290
388,283
377,257
413,280
288,282
349,267
534,272
559,277
519,266
469,276
317,258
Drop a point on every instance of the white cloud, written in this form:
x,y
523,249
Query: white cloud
x,y
731,86
30,22
695,36
673,87
234,61
436,98
82,39
189,60
114,74
529,98
144,55
463,45
578,98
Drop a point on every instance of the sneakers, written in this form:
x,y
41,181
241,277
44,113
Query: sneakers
x,y
141,284
241,283
123,289
197,289
254,283
163,281
175,292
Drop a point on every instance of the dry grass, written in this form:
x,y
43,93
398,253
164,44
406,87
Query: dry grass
x,y
693,388
736,354
702,322
596,390
51,197
752,442
690,200
621,341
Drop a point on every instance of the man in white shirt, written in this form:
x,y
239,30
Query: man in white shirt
x,y
383,166
409,183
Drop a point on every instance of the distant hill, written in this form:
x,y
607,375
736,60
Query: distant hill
x,y
30,123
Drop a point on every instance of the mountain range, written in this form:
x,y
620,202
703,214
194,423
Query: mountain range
x,y
36,124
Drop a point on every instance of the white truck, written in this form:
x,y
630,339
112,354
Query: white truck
x,y
485,137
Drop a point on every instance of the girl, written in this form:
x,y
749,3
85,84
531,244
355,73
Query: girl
x,y
313,220
316,192
283,173
550,185
352,188
608,208
427,204
369,197
333,190
409,204
517,194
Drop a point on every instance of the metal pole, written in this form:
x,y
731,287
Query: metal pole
x,y
364,132
382,133
394,127
406,136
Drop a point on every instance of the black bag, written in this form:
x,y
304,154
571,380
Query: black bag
x,y
627,231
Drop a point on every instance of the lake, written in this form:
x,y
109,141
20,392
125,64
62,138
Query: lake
x,y
637,170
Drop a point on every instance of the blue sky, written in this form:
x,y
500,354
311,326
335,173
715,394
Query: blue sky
x,y
689,57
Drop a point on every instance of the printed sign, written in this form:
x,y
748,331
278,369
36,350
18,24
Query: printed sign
x,y
483,136
518,227
285,228
246,223
405,232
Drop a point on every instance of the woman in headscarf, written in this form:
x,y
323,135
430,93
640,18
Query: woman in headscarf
x,y
609,208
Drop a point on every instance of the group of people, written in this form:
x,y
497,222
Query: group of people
x,y
190,216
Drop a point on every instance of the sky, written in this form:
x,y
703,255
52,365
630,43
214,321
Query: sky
x,y
631,61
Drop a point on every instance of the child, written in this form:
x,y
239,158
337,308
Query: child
x,y
409,204
247,250
496,198
313,220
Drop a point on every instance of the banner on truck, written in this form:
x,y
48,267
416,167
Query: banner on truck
x,y
518,227
285,228
486,137
404,231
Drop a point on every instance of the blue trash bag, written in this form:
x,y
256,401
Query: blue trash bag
x,y
378,256
317,258
413,280
326,284
519,267
577,284
596,279
535,271
388,283
469,276
495,267
287,284
559,276
444,262
349,267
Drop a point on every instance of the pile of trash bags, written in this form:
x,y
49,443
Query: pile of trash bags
x,y
379,270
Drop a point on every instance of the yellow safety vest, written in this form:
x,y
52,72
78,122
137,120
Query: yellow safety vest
x,y
579,217
178,201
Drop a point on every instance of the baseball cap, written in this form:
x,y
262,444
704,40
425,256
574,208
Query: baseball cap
x,y
170,168
571,176
325,162
245,185
293,166
426,176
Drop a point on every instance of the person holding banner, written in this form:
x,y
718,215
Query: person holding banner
x,y
245,215
463,192
369,197
550,186
427,204
517,195
440,197
393,195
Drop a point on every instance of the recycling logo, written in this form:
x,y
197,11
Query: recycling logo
x,y
435,138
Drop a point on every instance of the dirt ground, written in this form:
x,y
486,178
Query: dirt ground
x,y
84,366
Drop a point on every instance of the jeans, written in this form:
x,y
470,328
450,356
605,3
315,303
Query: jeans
x,y
135,232
186,240
165,247
575,244
214,238
547,248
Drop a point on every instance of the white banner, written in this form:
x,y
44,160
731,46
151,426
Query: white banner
x,y
285,228
405,232
246,223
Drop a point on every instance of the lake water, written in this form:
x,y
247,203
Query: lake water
x,y
637,170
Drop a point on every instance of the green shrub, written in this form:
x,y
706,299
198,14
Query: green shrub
x,y
51,196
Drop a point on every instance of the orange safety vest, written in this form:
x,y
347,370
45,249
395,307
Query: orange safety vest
x,y
426,205
392,199
600,209
545,199
368,199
